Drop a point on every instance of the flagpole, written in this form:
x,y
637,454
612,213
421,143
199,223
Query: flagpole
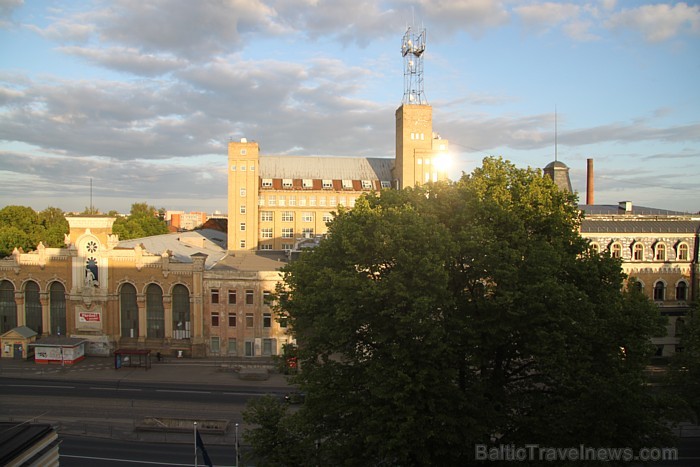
x,y
195,444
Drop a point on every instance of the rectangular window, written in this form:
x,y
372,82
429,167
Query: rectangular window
x,y
267,297
287,246
249,348
267,183
342,201
249,297
271,200
287,183
288,232
266,246
261,200
307,217
386,184
307,183
283,322
312,201
266,232
249,320
328,184
292,200
215,295
269,347
267,320
332,201
214,318
366,185
243,166
322,201
327,217
266,216
242,243
231,297
214,344
347,184
287,216
242,210
307,232
232,320
242,226
242,192
232,347
281,201
302,201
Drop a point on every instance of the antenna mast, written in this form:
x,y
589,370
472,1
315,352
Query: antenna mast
x,y
555,133
412,48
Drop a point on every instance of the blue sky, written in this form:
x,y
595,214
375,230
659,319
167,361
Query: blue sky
x,y
141,96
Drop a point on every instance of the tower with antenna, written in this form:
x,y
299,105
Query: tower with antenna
x,y
421,155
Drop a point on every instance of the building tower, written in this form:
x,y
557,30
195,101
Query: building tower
x,y
421,156
243,169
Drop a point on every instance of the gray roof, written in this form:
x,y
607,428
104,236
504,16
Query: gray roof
x,y
640,226
253,261
23,331
613,209
58,341
326,168
182,245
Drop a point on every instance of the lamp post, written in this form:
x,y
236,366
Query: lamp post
x,y
237,455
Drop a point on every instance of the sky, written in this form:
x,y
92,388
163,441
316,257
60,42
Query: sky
x,y
131,101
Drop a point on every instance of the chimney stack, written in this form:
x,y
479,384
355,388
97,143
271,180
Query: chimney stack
x,y
589,182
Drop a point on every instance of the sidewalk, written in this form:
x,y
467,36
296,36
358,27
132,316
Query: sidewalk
x,y
186,371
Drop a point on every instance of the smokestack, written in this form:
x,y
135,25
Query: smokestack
x,y
589,182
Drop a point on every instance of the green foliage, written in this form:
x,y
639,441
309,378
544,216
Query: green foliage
x,y
440,317
22,227
684,370
143,221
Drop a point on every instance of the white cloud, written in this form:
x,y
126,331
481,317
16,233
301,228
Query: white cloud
x,y
127,59
660,22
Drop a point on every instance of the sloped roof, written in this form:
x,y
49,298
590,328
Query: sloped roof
x,y
253,261
182,245
326,168
23,331
614,209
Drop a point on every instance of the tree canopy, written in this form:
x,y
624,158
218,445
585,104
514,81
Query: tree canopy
x,y
23,227
143,221
434,319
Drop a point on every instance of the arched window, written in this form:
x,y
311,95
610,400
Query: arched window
x,y
155,312
595,248
659,291
683,252
681,291
32,307
660,254
616,250
129,311
57,308
181,312
8,307
638,252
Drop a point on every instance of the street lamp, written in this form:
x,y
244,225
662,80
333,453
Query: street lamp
x,y
237,447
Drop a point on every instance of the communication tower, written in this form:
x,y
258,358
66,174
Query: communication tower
x,y
412,48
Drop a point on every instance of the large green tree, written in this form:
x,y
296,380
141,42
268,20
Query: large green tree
x,y
435,319
22,227
684,369
143,221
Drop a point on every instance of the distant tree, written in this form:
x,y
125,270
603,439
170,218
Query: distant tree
x,y
434,319
143,221
19,228
55,226
90,211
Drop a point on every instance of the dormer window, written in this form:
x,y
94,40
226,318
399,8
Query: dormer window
x,y
267,183
328,184
347,184
307,183
287,183
638,252
386,184
682,254
660,254
366,185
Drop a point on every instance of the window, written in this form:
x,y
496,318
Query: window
x,y
302,201
638,252
267,183
249,320
307,232
288,233
232,348
266,216
266,246
659,290
215,318
242,226
267,297
328,184
244,152
419,161
269,346
242,243
129,310
267,320
214,343
322,201
292,200
332,201
252,168
249,348
639,285
347,184
233,168
312,200
261,200
683,252
231,297
327,217
287,183
281,201
283,322
616,250
307,217
366,185
271,200
287,216
287,246
307,183
181,312
32,307
232,320
681,291
243,166
249,297
595,248
242,192
242,210
155,312
215,295
386,184
660,254
57,307
266,232
342,201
